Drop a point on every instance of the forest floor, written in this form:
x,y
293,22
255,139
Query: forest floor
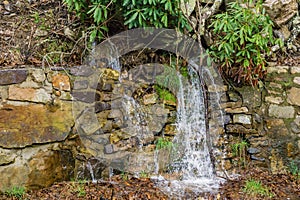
x,y
276,186
44,33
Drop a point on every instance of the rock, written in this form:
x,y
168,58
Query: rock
x,y
80,84
239,129
283,33
28,94
253,150
274,100
10,176
236,110
273,85
297,80
295,125
217,88
276,128
281,11
61,82
251,97
85,96
48,167
242,119
149,99
13,76
294,96
38,75
257,158
107,87
82,70
100,106
109,74
170,129
88,122
22,126
278,69
233,96
283,112
7,157
295,70
96,165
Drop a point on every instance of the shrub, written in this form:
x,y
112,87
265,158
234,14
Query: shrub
x,y
134,13
242,39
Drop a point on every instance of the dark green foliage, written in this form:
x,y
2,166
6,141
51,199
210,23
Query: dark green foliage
x,y
242,39
134,13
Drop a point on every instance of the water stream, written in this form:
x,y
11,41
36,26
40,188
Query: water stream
x,y
191,156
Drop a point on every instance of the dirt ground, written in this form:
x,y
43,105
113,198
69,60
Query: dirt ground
x,y
281,186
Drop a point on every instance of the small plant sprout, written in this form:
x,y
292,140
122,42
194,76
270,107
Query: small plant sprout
x,y
163,143
17,192
255,189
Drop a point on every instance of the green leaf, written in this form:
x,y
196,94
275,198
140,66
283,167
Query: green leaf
x,y
93,35
246,63
132,18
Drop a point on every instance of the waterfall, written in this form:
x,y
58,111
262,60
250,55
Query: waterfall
x,y
191,126
191,156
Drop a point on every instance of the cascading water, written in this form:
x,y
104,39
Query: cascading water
x,y
191,154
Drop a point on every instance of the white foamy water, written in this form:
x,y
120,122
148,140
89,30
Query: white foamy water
x,y
192,162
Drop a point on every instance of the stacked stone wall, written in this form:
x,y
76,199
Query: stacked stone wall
x,y
39,143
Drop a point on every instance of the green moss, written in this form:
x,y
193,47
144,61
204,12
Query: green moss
x,y
164,94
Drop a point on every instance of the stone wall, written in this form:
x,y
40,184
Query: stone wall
x,y
39,143
267,119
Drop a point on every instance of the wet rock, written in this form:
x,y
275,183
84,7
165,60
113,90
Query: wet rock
x,y
33,124
281,11
284,112
217,88
170,129
13,76
149,99
61,82
91,168
294,96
